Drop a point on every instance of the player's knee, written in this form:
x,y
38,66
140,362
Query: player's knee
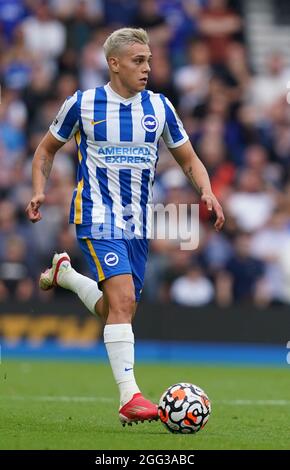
x,y
122,309
128,300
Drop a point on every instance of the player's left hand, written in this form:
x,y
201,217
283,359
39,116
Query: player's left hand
x,y
212,204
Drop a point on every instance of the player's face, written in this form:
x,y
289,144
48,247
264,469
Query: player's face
x,y
133,67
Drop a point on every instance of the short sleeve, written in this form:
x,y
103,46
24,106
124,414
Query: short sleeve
x,y
66,122
174,133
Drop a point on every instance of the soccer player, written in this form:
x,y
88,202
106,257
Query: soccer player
x,y
117,128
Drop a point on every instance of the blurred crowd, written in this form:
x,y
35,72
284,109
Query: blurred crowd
x,y
237,119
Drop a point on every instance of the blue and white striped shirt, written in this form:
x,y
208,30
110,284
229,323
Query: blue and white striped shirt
x,y
117,143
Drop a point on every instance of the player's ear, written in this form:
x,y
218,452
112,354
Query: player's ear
x,y
113,64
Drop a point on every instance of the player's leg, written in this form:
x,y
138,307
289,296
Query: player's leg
x,y
119,291
110,265
64,275
118,334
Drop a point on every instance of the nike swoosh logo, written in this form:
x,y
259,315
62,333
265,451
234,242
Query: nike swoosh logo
x,y
130,368
94,123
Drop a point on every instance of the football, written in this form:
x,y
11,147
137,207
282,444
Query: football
x,y
184,408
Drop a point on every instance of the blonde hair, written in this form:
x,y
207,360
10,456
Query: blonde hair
x,y
124,37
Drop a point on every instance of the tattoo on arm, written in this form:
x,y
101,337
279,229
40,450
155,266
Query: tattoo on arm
x,y
45,167
189,174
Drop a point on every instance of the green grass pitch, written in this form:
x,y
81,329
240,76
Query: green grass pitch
x,y
73,405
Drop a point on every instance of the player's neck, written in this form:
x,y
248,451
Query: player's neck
x,y
121,90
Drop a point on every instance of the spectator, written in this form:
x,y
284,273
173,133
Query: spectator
x,y
120,13
93,62
81,19
192,80
182,16
12,12
219,25
252,204
44,35
17,62
193,289
242,279
16,280
149,18
160,79
270,245
267,88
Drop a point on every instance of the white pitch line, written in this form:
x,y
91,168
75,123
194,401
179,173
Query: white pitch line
x,y
85,399
58,399
254,402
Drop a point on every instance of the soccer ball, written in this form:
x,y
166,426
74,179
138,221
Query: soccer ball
x,y
184,408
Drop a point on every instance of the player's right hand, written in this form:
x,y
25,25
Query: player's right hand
x,y
32,210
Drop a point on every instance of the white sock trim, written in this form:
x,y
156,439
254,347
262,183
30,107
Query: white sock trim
x,y
118,332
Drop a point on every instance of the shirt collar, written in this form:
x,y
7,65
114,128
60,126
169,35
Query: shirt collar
x,y
120,98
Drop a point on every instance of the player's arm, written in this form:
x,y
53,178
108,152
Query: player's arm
x,y
176,139
62,129
198,176
41,168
